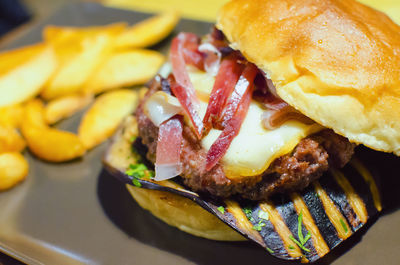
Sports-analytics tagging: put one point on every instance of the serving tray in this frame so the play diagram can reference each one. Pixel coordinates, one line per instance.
(76, 213)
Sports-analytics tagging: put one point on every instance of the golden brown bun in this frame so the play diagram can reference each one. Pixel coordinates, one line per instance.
(336, 61)
(184, 214)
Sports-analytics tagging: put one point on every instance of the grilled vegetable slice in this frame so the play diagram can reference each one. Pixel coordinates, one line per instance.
(302, 226)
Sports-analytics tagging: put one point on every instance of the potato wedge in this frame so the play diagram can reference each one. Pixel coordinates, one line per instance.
(11, 140)
(13, 169)
(47, 143)
(105, 115)
(34, 115)
(54, 145)
(24, 71)
(64, 107)
(142, 92)
(125, 68)
(80, 52)
(55, 33)
(148, 32)
(11, 116)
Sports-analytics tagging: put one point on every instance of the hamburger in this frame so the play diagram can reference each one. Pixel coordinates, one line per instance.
(277, 94)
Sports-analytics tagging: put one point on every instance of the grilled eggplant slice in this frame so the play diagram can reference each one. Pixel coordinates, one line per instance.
(302, 226)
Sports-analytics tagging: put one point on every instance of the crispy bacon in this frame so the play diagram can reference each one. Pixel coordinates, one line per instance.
(243, 92)
(183, 89)
(169, 143)
(227, 77)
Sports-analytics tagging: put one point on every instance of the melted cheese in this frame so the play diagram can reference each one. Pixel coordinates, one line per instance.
(254, 148)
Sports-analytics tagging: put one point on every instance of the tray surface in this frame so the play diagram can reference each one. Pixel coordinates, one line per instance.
(75, 212)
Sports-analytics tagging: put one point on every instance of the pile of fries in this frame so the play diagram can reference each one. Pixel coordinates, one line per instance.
(71, 69)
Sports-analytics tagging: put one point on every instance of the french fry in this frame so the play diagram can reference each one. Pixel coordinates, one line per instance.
(34, 115)
(54, 145)
(80, 52)
(64, 107)
(11, 116)
(11, 140)
(148, 32)
(125, 68)
(47, 143)
(24, 71)
(104, 116)
(13, 169)
(142, 92)
(63, 33)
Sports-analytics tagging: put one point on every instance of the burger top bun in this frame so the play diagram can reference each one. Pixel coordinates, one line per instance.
(336, 61)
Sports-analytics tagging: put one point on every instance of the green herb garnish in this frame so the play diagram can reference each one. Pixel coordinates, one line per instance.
(346, 229)
(270, 250)
(136, 182)
(221, 209)
(291, 247)
(302, 239)
(263, 215)
(249, 213)
(259, 226)
(132, 139)
(139, 171)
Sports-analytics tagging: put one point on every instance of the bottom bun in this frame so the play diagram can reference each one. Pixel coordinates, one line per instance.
(183, 214)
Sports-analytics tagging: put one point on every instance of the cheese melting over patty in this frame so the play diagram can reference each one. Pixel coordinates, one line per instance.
(254, 148)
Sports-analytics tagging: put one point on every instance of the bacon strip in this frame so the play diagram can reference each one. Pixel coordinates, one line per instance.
(232, 126)
(245, 81)
(227, 77)
(169, 143)
(184, 89)
(188, 105)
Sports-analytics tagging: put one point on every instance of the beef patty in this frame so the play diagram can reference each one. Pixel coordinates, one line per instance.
(295, 171)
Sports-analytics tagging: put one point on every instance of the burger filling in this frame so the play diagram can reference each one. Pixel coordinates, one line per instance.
(216, 120)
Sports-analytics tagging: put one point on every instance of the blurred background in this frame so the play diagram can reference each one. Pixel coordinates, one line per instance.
(14, 13)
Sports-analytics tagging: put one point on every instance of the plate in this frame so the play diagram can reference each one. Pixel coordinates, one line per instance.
(76, 213)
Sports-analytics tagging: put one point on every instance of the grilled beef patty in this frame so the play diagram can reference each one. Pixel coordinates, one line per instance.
(295, 171)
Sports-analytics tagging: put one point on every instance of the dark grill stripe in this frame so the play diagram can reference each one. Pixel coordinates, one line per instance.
(361, 187)
(322, 221)
(271, 238)
(286, 209)
(337, 195)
